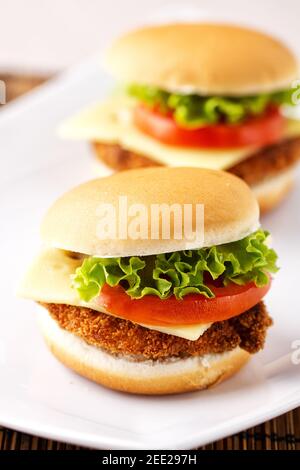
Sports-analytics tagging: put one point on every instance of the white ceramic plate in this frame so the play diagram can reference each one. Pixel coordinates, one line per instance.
(37, 394)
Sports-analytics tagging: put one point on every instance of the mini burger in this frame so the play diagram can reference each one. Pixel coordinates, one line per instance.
(200, 95)
(154, 315)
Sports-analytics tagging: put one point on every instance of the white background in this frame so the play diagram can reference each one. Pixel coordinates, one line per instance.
(49, 35)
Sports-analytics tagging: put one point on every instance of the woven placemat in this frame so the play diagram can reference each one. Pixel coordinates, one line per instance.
(282, 433)
(16, 85)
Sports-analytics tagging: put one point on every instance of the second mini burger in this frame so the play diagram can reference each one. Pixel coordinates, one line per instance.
(200, 95)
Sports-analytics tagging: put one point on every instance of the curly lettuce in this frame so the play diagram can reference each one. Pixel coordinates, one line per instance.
(195, 110)
(181, 272)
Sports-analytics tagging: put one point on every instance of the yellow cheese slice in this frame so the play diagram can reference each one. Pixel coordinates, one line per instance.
(49, 280)
(110, 122)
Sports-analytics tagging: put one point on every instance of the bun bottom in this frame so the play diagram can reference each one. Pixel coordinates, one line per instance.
(273, 190)
(140, 377)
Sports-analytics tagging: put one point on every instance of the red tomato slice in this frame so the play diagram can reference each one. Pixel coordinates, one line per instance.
(229, 302)
(257, 131)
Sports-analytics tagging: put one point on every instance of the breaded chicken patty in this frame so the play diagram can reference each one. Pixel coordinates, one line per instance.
(265, 163)
(119, 336)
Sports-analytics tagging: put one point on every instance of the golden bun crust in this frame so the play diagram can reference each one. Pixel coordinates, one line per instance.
(272, 191)
(204, 58)
(230, 210)
(184, 375)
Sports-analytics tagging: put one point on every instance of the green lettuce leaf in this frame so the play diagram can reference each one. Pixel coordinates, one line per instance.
(181, 272)
(195, 110)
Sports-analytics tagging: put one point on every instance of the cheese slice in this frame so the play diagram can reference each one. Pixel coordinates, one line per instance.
(49, 280)
(111, 122)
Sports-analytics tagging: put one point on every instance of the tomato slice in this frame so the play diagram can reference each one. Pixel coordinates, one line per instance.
(257, 131)
(230, 301)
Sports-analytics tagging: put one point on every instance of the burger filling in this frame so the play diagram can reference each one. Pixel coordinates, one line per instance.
(210, 121)
(251, 137)
(265, 163)
(206, 273)
(123, 337)
(131, 306)
(193, 111)
(164, 306)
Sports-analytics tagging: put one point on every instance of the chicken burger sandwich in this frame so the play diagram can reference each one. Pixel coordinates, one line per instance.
(200, 95)
(149, 309)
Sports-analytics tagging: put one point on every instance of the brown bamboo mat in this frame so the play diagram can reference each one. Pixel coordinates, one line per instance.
(17, 85)
(282, 433)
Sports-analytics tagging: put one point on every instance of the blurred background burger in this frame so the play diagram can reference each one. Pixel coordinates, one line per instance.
(203, 95)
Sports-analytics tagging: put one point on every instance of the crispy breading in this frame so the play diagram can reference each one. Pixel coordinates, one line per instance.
(118, 158)
(119, 336)
(265, 163)
(268, 162)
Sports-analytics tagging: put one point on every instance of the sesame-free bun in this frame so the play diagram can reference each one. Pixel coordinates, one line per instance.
(143, 377)
(230, 211)
(204, 58)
